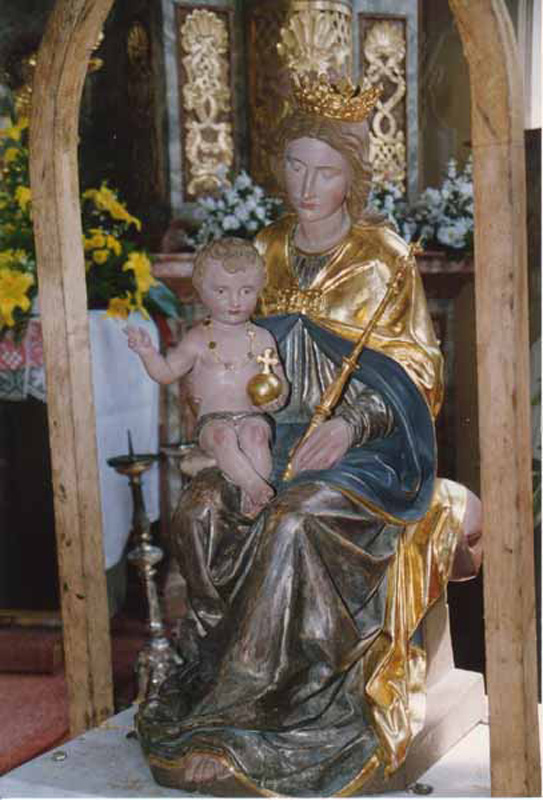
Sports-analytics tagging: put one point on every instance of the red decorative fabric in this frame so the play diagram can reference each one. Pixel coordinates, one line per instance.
(26, 353)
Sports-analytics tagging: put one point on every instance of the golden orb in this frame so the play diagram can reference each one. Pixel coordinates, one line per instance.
(264, 389)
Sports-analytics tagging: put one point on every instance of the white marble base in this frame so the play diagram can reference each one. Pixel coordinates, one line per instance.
(105, 763)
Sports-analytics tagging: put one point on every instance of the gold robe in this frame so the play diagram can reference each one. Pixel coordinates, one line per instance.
(345, 294)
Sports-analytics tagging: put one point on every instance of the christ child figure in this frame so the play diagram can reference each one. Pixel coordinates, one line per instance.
(220, 356)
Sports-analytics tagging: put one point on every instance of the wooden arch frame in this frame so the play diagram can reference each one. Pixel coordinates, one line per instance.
(502, 352)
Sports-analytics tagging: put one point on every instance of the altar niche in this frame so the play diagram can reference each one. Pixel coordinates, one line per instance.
(502, 363)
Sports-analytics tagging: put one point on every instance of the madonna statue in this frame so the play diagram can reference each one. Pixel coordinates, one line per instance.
(308, 674)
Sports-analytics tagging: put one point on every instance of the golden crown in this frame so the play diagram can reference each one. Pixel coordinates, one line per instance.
(341, 100)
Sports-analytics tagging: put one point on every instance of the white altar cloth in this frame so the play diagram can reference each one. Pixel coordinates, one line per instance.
(126, 399)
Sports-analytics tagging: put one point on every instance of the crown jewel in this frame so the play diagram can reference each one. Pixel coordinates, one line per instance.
(341, 100)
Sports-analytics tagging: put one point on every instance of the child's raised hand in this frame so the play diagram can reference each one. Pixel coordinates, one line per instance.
(138, 339)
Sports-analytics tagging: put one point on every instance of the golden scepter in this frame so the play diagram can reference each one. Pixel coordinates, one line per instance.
(332, 394)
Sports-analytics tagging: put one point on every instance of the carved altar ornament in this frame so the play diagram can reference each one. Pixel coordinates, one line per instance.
(384, 51)
(209, 145)
(317, 38)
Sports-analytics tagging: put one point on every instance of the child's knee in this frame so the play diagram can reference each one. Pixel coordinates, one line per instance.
(254, 431)
(217, 435)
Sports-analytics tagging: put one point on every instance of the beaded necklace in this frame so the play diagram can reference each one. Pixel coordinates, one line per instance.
(231, 366)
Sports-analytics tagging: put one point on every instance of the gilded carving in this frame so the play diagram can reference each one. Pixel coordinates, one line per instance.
(383, 50)
(206, 100)
(293, 301)
(317, 38)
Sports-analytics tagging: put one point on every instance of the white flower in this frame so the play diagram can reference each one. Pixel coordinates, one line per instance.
(243, 181)
(454, 233)
(427, 231)
(433, 196)
(231, 197)
(221, 172)
(241, 207)
(465, 187)
(251, 204)
(242, 213)
(408, 230)
(230, 222)
(208, 203)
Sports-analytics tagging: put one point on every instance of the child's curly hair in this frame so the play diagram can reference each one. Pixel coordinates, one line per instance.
(234, 255)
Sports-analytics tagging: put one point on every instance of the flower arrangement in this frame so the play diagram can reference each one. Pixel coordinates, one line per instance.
(441, 217)
(118, 273)
(238, 208)
(390, 201)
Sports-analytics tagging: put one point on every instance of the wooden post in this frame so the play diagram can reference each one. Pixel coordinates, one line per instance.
(72, 31)
(503, 377)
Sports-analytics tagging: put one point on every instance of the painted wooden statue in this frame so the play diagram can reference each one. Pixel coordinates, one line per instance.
(310, 668)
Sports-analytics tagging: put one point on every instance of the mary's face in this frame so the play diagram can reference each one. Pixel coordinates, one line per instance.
(317, 178)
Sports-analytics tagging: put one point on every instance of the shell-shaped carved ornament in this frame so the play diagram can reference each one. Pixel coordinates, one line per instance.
(200, 27)
(385, 41)
(310, 43)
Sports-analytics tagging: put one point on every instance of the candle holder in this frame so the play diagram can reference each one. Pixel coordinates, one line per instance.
(157, 657)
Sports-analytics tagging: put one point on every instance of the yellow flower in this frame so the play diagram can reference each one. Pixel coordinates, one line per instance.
(119, 307)
(10, 155)
(106, 200)
(141, 267)
(138, 305)
(114, 245)
(13, 288)
(23, 196)
(14, 131)
(11, 258)
(100, 256)
(97, 240)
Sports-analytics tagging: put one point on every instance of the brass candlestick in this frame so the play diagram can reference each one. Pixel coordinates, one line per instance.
(157, 657)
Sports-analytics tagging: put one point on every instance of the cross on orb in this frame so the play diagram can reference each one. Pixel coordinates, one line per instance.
(268, 359)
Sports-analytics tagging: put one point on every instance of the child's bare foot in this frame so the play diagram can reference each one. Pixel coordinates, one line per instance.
(255, 499)
(202, 769)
